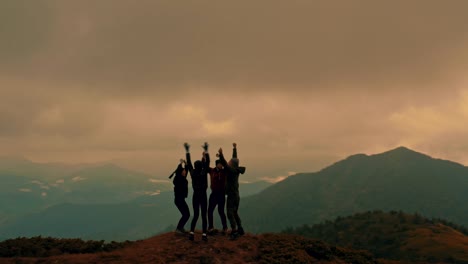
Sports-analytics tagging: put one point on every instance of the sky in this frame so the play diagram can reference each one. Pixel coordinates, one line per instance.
(296, 84)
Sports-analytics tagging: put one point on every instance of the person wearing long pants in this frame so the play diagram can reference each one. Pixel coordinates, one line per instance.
(199, 174)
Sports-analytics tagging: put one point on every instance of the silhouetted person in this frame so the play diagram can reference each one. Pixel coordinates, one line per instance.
(180, 192)
(199, 175)
(217, 196)
(232, 191)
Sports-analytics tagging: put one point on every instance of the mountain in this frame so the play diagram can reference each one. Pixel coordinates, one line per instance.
(400, 179)
(251, 188)
(28, 187)
(394, 235)
(109, 183)
(171, 248)
(24, 184)
(136, 219)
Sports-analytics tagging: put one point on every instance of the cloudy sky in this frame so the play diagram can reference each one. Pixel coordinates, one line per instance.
(297, 84)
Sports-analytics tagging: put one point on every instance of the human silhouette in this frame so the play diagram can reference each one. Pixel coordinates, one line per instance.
(217, 196)
(232, 191)
(180, 193)
(199, 174)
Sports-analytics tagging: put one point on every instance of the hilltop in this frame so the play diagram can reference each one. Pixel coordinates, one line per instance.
(365, 238)
(171, 248)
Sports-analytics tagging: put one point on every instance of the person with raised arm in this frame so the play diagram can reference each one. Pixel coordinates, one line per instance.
(232, 190)
(181, 192)
(199, 174)
(217, 196)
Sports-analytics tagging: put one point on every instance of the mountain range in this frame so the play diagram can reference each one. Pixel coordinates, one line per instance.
(92, 201)
(400, 179)
(31, 187)
(107, 202)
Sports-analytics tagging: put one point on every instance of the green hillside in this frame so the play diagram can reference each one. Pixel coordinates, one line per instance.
(28, 187)
(136, 219)
(400, 179)
(394, 235)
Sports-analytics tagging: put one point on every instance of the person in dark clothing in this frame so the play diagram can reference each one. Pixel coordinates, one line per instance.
(181, 192)
(217, 196)
(232, 191)
(199, 175)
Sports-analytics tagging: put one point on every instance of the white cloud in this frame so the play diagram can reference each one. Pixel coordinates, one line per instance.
(37, 182)
(45, 187)
(274, 179)
(157, 192)
(278, 178)
(78, 178)
(60, 181)
(25, 190)
(158, 181)
(44, 194)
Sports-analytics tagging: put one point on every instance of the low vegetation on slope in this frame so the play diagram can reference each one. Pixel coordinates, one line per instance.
(47, 246)
(394, 235)
(171, 248)
(278, 249)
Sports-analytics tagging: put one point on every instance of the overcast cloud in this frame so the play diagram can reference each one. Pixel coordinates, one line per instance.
(297, 84)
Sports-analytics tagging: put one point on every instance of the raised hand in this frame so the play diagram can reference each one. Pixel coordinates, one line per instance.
(220, 151)
(205, 146)
(186, 146)
(234, 145)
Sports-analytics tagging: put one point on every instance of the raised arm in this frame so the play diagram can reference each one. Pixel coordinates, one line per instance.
(206, 157)
(222, 159)
(234, 150)
(189, 160)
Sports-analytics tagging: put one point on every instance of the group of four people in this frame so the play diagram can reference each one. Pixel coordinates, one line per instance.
(224, 181)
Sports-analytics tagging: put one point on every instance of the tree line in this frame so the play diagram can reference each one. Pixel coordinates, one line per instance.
(383, 234)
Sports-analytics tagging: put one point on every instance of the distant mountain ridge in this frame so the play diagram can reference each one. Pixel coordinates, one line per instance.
(136, 219)
(29, 188)
(91, 201)
(400, 179)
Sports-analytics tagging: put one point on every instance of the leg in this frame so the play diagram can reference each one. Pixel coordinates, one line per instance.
(211, 207)
(196, 210)
(203, 205)
(230, 204)
(221, 199)
(236, 216)
(184, 210)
